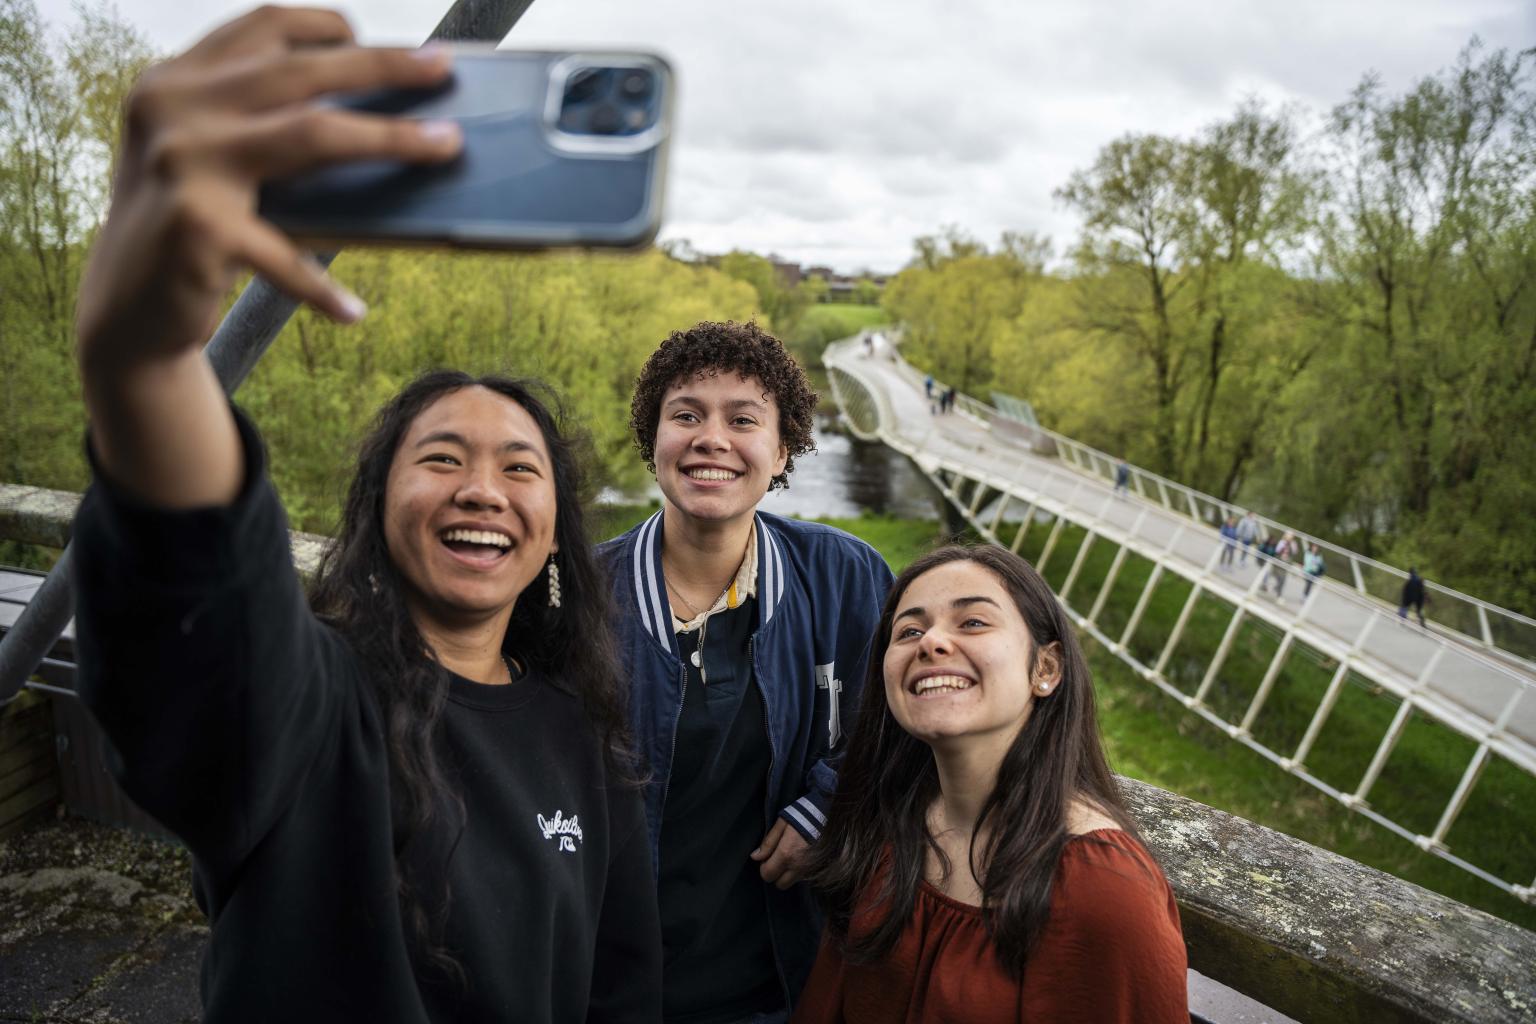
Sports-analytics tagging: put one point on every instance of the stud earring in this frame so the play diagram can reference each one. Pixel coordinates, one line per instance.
(554, 582)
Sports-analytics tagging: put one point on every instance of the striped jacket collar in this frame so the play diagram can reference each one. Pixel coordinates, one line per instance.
(651, 588)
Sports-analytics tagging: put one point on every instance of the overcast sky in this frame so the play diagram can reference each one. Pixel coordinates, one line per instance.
(836, 132)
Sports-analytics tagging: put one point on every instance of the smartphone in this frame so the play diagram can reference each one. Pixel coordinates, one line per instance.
(560, 150)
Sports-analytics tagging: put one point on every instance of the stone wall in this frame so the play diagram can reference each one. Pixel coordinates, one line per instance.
(1323, 938)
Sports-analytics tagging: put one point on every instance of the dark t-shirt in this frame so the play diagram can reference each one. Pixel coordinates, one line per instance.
(249, 729)
(719, 962)
(530, 875)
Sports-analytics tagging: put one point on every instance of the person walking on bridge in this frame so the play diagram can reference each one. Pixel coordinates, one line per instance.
(1413, 596)
(1247, 533)
(1284, 554)
(1228, 543)
(1313, 566)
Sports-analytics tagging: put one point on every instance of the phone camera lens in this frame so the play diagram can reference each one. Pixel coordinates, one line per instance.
(636, 84)
(582, 86)
(606, 119)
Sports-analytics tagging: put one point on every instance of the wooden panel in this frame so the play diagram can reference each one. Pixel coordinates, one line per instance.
(17, 777)
(29, 771)
(19, 809)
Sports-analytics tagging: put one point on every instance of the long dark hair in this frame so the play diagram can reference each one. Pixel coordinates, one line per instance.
(878, 824)
(360, 593)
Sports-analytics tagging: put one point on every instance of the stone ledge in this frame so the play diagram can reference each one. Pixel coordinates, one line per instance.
(1323, 938)
(36, 515)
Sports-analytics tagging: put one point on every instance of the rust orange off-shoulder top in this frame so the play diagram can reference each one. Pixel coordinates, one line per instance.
(1111, 952)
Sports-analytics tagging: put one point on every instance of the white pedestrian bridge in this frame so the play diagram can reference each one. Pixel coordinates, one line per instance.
(1471, 669)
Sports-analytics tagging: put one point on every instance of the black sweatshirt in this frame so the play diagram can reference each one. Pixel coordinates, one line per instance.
(247, 727)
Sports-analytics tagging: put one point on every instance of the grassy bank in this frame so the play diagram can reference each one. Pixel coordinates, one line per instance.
(1155, 739)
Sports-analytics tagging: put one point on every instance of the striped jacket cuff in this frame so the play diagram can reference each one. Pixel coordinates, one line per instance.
(805, 817)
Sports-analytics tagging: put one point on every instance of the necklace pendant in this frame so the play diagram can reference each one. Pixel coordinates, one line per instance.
(697, 661)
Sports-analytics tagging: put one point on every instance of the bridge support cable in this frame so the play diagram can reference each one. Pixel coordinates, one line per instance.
(243, 336)
(972, 460)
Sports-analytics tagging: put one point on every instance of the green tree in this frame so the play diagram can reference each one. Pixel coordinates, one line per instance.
(781, 305)
(59, 108)
(956, 299)
(866, 292)
(1431, 250)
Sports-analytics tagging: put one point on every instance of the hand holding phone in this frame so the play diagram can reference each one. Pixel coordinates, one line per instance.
(203, 130)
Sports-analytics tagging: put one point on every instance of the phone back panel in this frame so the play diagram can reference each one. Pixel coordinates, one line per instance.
(518, 183)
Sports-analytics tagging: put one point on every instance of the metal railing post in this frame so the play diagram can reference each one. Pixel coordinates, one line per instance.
(1178, 629)
(1077, 564)
(1271, 674)
(1050, 544)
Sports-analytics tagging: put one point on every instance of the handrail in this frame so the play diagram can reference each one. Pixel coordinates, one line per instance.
(1492, 627)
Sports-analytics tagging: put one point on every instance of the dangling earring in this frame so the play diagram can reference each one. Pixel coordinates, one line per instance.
(554, 582)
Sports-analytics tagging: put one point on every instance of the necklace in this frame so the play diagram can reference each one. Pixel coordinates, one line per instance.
(697, 657)
(693, 610)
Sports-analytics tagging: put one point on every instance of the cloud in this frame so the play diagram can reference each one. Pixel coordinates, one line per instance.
(838, 132)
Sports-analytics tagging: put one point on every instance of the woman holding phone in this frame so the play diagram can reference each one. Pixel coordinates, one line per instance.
(978, 863)
(745, 635)
(409, 797)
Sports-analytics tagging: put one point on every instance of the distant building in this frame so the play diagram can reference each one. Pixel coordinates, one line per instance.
(840, 287)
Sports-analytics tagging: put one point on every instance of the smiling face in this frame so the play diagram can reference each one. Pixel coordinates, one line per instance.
(957, 669)
(717, 446)
(469, 508)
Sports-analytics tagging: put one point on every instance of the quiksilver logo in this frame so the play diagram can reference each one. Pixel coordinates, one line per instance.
(567, 830)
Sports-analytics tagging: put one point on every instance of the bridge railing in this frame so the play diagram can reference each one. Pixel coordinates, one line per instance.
(1056, 488)
(1500, 631)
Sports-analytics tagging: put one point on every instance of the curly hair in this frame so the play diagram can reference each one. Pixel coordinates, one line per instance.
(710, 348)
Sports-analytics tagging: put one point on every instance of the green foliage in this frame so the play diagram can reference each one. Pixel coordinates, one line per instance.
(957, 300)
(779, 303)
(866, 292)
(901, 541)
(822, 324)
(583, 324)
(58, 111)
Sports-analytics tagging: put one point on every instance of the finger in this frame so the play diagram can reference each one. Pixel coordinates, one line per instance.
(770, 841)
(305, 74)
(273, 25)
(776, 865)
(269, 252)
(787, 879)
(282, 144)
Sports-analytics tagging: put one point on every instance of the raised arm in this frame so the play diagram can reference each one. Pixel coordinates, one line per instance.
(202, 131)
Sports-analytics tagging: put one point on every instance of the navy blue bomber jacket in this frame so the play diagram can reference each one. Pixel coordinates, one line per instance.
(819, 592)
